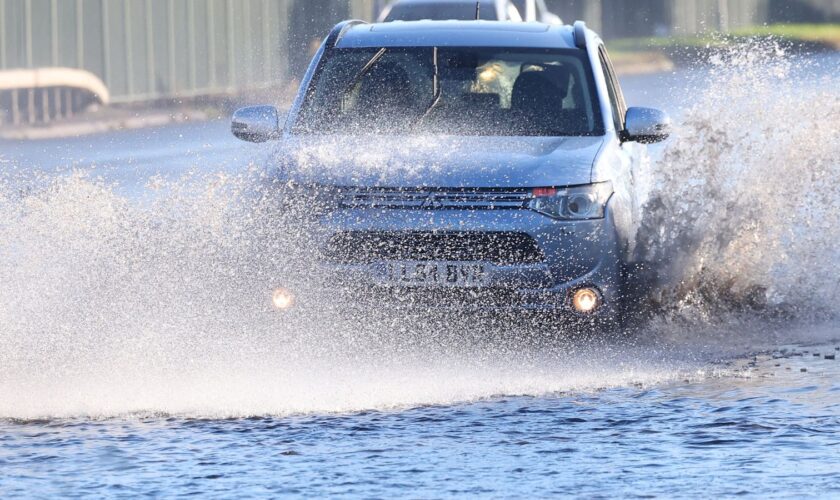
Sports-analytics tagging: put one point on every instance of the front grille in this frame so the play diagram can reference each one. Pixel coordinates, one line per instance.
(435, 199)
(503, 248)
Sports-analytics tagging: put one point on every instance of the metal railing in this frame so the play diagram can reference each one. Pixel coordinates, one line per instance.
(45, 94)
(151, 49)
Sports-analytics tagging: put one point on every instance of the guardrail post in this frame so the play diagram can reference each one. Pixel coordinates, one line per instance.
(30, 105)
(56, 100)
(45, 105)
(77, 100)
(15, 107)
(68, 102)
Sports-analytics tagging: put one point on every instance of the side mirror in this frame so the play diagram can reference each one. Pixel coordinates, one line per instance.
(646, 125)
(256, 123)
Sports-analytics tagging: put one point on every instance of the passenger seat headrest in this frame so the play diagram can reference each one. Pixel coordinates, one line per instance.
(537, 89)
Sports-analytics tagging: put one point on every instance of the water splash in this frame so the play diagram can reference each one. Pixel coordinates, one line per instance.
(742, 212)
(111, 306)
(114, 307)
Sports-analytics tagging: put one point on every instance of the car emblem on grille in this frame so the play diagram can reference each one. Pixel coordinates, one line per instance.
(431, 202)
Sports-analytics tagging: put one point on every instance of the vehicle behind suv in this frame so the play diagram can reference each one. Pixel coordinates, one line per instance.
(465, 165)
(536, 10)
(416, 10)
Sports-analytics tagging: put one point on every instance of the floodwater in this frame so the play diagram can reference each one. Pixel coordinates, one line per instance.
(768, 431)
(138, 356)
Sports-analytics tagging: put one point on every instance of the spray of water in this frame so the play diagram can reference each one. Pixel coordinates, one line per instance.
(742, 208)
(110, 306)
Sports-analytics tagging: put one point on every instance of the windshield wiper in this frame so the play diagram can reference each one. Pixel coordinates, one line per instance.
(365, 69)
(436, 92)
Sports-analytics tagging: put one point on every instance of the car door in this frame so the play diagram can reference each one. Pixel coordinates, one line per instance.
(629, 174)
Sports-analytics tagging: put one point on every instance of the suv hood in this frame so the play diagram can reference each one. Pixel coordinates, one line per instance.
(444, 161)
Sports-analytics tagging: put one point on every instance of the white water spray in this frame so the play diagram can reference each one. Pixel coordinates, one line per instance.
(744, 205)
(110, 307)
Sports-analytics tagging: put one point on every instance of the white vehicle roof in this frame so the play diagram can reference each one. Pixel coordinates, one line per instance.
(415, 10)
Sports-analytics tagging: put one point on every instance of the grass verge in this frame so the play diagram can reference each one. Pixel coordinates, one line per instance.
(809, 37)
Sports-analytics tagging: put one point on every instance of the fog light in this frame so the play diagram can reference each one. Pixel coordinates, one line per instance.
(586, 300)
(282, 299)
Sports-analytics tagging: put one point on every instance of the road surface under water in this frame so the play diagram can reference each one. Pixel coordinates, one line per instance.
(127, 368)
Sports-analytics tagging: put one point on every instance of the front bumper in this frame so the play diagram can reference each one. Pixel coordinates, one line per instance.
(574, 254)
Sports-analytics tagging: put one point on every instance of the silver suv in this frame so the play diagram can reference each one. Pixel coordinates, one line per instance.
(466, 164)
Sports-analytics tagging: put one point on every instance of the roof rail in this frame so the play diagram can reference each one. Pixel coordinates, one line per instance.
(339, 30)
(580, 34)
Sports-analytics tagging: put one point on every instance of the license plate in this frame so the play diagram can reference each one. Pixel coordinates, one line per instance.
(452, 274)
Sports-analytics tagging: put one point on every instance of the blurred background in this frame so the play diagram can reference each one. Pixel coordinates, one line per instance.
(60, 59)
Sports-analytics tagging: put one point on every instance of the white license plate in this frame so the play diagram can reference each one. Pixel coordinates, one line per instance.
(453, 274)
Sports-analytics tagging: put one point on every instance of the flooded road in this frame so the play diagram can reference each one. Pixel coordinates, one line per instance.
(139, 357)
(759, 429)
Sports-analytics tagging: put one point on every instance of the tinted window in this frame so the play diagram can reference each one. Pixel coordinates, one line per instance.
(492, 91)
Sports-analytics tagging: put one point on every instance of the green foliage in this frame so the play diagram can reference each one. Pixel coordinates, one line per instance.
(821, 35)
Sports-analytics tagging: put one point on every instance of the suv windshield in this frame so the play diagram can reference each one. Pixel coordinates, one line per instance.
(452, 91)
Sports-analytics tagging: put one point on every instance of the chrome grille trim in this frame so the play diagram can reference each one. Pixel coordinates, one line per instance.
(435, 199)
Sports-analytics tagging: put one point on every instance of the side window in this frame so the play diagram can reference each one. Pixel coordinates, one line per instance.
(619, 108)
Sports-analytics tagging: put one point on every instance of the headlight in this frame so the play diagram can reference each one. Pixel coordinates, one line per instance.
(573, 203)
